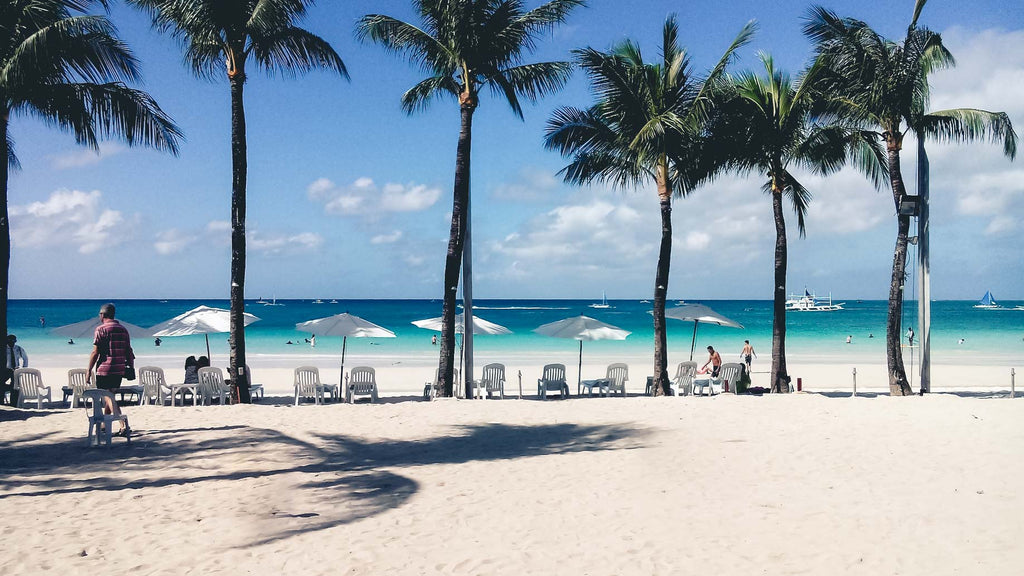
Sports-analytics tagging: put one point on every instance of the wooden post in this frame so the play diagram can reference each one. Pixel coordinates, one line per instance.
(854, 382)
(1013, 388)
(520, 385)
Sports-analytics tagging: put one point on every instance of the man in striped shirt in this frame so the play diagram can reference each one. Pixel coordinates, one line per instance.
(111, 353)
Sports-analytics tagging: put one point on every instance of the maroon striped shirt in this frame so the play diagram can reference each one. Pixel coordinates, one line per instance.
(115, 348)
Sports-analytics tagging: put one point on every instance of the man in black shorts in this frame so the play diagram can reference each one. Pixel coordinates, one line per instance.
(715, 359)
(111, 354)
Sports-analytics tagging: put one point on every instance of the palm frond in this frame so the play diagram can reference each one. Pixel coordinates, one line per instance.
(537, 80)
(403, 38)
(800, 198)
(968, 125)
(422, 94)
(292, 49)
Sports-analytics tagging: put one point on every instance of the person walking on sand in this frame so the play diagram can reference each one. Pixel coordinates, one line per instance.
(748, 354)
(111, 354)
(715, 359)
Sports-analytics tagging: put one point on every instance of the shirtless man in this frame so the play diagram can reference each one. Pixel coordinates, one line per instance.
(748, 354)
(715, 359)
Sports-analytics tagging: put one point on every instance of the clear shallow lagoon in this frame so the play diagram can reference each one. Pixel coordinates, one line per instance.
(990, 336)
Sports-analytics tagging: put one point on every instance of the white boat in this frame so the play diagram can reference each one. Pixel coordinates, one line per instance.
(334, 302)
(808, 302)
(318, 301)
(604, 302)
(987, 302)
(272, 302)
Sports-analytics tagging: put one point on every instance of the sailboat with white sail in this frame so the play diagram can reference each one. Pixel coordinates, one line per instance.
(604, 302)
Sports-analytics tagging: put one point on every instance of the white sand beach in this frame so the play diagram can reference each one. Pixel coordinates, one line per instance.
(811, 483)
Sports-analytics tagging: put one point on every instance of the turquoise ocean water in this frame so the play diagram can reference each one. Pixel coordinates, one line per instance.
(990, 336)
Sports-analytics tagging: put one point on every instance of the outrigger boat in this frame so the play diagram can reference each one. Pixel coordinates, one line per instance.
(808, 302)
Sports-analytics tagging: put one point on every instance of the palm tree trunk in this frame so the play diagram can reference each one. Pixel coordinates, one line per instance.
(236, 340)
(780, 374)
(5, 228)
(898, 385)
(661, 381)
(456, 240)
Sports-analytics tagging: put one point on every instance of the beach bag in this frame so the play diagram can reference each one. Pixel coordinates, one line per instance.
(129, 372)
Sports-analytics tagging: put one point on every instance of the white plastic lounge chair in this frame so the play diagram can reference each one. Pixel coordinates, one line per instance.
(682, 384)
(255, 390)
(29, 384)
(307, 384)
(729, 373)
(432, 390)
(100, 423)
(553, 381)
(614, 381)
(154, 386)
(362, 381)
(212, 386)
(492, 382)
(77, 385)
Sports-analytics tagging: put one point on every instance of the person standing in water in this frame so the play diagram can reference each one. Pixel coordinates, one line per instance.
(748, 354)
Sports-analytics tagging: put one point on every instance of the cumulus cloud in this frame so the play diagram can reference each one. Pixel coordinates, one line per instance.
(85, 156)
(276, 244)
(363, 196)
(172, 241)
(531, 184)
(387, 238)
(68, 217)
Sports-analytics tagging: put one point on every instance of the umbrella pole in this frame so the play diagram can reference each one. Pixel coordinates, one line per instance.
(208, 348)
(693, 341)
(579, 372)
(341, 380)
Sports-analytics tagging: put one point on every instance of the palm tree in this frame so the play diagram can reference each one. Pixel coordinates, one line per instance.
(885, 84)
(466, 45)
(768, 126)
(69, 69)
(644, 127)
(222, 36)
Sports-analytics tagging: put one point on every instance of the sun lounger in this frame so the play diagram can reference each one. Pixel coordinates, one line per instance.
(492, 382)
(29, 384)
(362, 381)
(154, 386)
(212, 387)
(432, 390)
(682, 384)
(77, 386)
(308, 385)
(553, 380)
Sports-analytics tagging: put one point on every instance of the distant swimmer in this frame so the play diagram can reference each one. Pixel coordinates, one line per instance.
(289, 342)
(71, 340)
(961, 341)
(910, 336)
(871, 335)
(157, 341)
(433, 339)
(42, 322)
(849, 339)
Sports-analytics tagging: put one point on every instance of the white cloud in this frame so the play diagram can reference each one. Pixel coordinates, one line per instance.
(387, 238)
(172, 241)
(85, 156)
(218, 226)
(697, 241)
(277, 244)
(531, 184)
(68, 217)
(363, 196)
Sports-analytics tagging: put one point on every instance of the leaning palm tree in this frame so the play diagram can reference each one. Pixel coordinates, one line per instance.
(885, 84)
(770, 125)
(68, 68)
(464, 46)
(222, 36)
(646, 126)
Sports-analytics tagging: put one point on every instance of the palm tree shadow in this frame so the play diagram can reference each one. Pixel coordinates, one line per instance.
(340, 478)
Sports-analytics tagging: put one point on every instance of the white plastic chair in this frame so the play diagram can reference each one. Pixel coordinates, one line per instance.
(553, 380)
(212, 386)
(492, 381)
(78, 385)
(617, 376)
(29, 384)
(432, 390)
(154, 385)
(307, 384)
(255, 390)
(100, 423)
(363, 382)
(682, 384)
(729, 373)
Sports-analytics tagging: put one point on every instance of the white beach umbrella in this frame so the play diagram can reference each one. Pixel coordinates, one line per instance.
(200, 320)
(699, 314)
(87, 328)
(582, 328)
(344, 325)
(480, 326)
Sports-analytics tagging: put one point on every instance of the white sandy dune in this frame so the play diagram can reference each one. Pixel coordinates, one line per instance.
(788, 484)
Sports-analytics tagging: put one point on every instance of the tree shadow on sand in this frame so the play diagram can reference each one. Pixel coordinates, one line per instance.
(339, 478)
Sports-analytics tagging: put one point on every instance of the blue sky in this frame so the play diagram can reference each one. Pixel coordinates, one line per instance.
(348, 197)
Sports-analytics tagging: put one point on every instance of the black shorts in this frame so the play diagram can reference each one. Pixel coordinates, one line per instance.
(715, 370)
(748, 358)
(108, 381)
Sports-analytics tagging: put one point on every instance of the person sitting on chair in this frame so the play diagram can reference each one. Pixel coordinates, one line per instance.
(191, 370)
